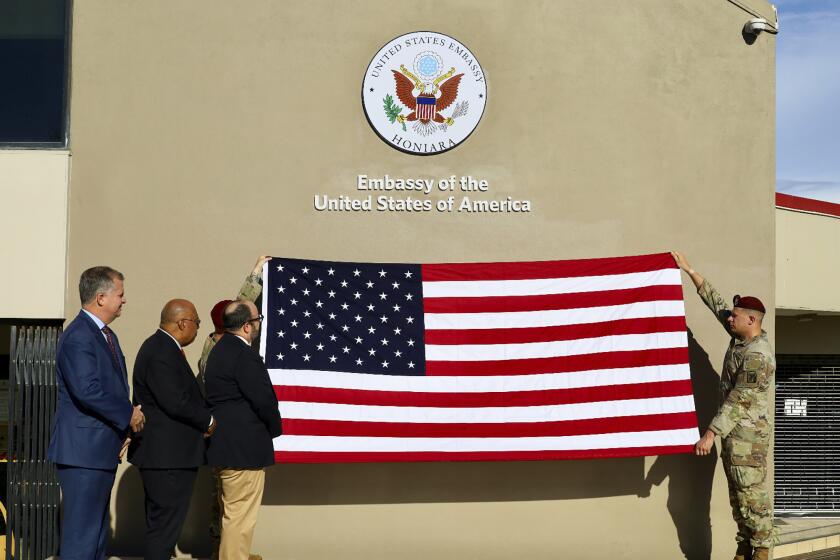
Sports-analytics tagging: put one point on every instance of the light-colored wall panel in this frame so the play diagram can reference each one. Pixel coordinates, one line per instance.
(807, 262)
(808, 335)
(33, 226)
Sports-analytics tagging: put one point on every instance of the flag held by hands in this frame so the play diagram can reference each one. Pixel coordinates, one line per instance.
(478, 361)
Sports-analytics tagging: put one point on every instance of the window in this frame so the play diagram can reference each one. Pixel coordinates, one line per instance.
(33, 72)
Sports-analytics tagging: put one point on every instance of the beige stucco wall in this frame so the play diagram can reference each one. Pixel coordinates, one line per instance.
(808, 334)
(807, 264)
(201, 133)
(806, 283)
(33, 226)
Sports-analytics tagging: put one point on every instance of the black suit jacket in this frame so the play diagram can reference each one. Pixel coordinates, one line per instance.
(176, 414)
(244, 404)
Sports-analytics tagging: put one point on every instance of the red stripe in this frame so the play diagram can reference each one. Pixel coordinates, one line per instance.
(673, 421)
(546, 269)
(501, 304)
(354, 457)
(807, 205)
(647, 325)
(583, 362)
(425, 111)
(475, 400)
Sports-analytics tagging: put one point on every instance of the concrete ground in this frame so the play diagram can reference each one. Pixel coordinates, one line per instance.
(802, 538)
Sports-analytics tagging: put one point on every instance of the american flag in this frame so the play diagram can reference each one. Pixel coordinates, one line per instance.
(426, 108)
(478, 361)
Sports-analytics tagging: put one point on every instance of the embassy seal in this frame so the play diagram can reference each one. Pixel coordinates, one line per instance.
(424, 93)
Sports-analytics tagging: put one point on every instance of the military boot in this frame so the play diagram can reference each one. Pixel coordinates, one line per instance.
(744, 551)
(761, 553)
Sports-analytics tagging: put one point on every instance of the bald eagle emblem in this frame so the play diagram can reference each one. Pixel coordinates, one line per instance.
(425, 94)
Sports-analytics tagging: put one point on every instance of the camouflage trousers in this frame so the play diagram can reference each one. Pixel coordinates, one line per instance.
(752, 508)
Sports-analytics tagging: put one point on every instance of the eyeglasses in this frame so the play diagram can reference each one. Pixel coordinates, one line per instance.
(260, 319)
(196, 321)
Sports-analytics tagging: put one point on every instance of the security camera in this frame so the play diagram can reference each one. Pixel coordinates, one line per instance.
(757, 25)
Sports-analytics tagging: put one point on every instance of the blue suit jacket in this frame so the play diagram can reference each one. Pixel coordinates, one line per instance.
(94, 409)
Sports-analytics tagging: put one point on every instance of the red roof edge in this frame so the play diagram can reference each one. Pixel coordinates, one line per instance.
(791, 202)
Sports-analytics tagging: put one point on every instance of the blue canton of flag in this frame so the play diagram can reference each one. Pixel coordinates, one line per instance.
(350, 317)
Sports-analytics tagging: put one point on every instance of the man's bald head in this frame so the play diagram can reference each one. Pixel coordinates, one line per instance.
(242, 318)
(175, 310)
(180, 319)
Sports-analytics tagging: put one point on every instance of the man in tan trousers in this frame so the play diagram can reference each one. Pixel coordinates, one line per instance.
(244, 404)
(250, 290)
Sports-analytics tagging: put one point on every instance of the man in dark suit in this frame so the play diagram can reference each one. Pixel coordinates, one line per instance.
(93, 416)
(240, 393)
(171, 448)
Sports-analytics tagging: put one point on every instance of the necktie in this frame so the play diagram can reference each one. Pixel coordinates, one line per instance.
(109, 336)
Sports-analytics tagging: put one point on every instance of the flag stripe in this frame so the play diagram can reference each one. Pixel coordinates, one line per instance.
(546, 269)
(554, 317)
(644, 325)
(559, 443)
(495, 383)
(554, 349)
(488, 415)
(545, 286)
(473, 400)
(298, 427)
(400, 457)
(583, 362)
(498, 304)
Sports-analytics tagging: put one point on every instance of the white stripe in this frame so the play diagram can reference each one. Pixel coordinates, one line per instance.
(616, 343)
(264, 309)
(555, 317)
(686, 436)
(475, 383)
(485, 415)
(543, 286)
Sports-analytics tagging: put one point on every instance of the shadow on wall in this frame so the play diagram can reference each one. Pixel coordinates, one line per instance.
(689, 477)
(130, 523)
(383, 483)
(401, 483)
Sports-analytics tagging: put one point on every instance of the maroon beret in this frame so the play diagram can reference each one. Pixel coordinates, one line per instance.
(216, 314)
(748, 302)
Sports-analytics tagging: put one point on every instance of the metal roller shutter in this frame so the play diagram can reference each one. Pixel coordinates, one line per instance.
(807, 437)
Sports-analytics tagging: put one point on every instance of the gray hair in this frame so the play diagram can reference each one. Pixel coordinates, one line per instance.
(97, 280)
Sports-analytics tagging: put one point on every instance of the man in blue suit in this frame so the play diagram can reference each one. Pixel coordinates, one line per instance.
(94, 415)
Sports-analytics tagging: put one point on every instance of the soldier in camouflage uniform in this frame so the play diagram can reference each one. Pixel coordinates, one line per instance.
(250, 290)
(743, 420)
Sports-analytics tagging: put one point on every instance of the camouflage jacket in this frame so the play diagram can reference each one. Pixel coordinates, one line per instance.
(250, 290)
(743, 420)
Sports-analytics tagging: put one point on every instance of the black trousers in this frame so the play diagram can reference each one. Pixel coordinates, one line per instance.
(168, 493)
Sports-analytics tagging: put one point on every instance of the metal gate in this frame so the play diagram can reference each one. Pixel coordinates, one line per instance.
(807, 440)
(33, 494)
